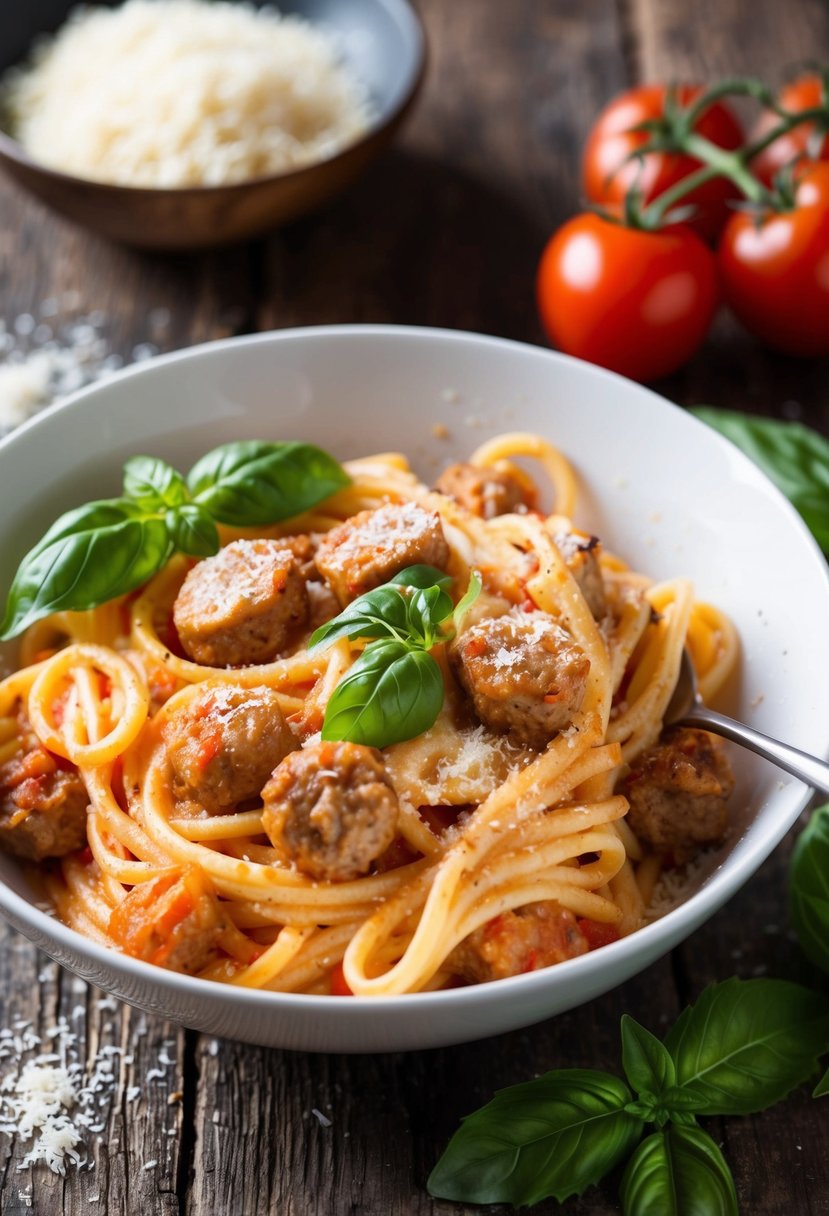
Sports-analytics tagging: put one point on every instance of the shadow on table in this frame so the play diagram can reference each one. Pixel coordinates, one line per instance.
(417, 242)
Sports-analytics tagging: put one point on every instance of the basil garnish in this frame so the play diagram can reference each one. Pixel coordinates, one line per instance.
(394, 691)
(554, 1136)
(793, 456)
(809, 888)
(678, 1172)
(649, 1068)
(154, 484)
(251, 483)
(391, 693)
(744, 1045)
(88, 556)
(747, 1043)
(105, 549)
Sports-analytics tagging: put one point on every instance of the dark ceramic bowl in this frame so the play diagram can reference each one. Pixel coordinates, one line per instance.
(383, 42)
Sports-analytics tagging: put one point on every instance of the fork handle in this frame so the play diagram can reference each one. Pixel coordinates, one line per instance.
(810, 769)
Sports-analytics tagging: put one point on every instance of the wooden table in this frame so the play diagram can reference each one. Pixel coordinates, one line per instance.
(445, 231)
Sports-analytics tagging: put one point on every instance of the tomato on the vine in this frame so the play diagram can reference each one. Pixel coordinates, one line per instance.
(635, 301)
(774, 268)
(607, 175)
(805, 93)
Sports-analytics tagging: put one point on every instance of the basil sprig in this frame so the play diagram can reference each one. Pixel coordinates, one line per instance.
(742, 1047)
(793, 456)
(394, 690)
(105, 549)
(809, 888)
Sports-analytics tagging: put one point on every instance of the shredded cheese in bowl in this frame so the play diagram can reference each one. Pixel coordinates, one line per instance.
(175, 93)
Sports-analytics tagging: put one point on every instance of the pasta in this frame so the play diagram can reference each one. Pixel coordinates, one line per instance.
(519, 830)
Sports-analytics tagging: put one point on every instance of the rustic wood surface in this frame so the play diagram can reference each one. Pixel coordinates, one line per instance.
(445, 230)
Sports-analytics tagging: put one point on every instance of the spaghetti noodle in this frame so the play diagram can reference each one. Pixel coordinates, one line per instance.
(518, 827)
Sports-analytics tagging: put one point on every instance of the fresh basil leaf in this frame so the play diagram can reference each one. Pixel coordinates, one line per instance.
(391, 693)
(192, 530)
(822, 1087)
(678, 1172)
(793, 456)
(554, 1136)
(380, 613)
(809, 888)
(90, 555)
(422, 576)
(746, 1043)
(426, 608)
(470, 595)
(252, 482)
(647, 1062)
(154, 484)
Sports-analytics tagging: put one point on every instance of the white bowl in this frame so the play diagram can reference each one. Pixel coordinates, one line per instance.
(660, 488)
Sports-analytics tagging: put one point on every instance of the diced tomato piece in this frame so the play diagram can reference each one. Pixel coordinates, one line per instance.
(46, 653)
(475, 647)
(162, 684)
(209, 749)
(30, 766)
(597, 934)
(532, 960)
(338, 985)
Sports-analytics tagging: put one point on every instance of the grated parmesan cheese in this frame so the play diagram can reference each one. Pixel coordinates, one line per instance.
(172, 93)
(40, 364)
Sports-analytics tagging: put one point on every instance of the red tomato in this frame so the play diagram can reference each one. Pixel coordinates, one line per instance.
(774, 269)
(606, 179)
(637, 302)
(802, 94)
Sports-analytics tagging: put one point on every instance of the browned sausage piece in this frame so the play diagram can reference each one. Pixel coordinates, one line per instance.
(225, 743)
(527, 939)
(581, 553)
(678, 792)
(525, 675)
(243, 606)
(331, 810)
(42, 807)
(172, 921)
(373, 546)
(484, 492)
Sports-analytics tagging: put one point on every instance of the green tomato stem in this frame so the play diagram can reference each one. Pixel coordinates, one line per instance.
(719, 162)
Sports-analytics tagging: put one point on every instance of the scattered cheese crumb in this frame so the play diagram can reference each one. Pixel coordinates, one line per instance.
(322, 1119)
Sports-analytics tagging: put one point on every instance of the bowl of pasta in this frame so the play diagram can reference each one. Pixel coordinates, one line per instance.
(335, 667)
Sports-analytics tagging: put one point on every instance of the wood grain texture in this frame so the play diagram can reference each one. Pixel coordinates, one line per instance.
(444, 230)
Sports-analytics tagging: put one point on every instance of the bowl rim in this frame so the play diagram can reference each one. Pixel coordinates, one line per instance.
(405, 15)
(652, 940)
